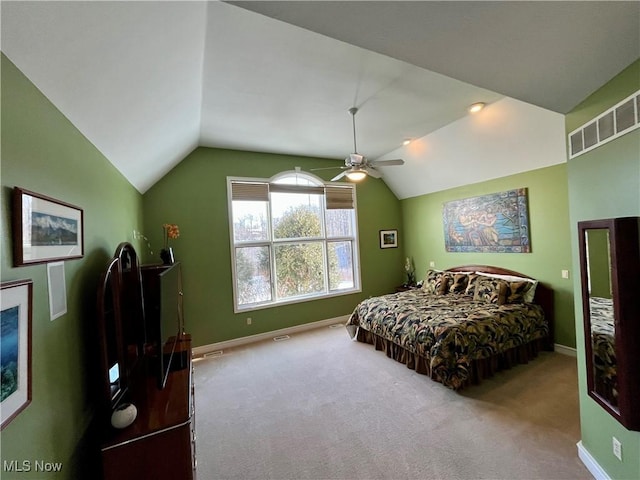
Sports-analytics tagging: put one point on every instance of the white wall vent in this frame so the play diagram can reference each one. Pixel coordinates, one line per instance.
(620, 119)
(217, 353)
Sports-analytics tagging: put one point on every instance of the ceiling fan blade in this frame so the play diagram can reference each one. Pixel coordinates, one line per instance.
(387, 163)
(325, 168)
(372, 172)
(339, 176)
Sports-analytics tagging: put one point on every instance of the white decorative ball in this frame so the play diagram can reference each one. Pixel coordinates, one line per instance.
(124, 415)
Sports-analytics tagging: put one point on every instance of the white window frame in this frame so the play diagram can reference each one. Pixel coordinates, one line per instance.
(272, 243)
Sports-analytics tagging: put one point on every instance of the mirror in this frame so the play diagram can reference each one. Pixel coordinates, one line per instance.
(131, 306)
(602, 327)
(112, 357)
(610, 269)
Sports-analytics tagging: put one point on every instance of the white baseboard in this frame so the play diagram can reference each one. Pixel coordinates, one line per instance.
(236, 342)
(564, 350)
(594, 468)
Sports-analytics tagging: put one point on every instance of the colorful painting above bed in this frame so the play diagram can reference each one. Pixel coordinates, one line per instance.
(497, 223)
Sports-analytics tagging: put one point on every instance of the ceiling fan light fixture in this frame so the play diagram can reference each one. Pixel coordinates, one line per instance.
(476, 107)
(356, 175)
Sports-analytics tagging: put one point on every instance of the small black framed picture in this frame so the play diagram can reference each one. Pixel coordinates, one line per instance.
(388, 238)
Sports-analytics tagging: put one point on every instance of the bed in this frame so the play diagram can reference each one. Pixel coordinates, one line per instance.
(463, 325)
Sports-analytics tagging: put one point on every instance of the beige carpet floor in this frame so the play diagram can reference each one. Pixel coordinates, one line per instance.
(321, 406)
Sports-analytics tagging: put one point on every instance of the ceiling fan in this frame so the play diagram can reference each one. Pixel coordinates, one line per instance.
(356, 166)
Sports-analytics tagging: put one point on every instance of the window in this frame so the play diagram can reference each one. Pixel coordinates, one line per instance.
(293, 238)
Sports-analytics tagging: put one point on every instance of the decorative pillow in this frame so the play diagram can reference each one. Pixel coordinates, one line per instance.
(517, 291)
(471, 284)
(436, 282)
(491, 290)
(529, 295)
(456, 282)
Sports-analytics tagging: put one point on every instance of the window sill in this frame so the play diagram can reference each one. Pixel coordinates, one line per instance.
(291, 301)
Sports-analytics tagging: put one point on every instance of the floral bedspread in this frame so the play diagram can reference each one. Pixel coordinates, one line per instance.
(451, 330)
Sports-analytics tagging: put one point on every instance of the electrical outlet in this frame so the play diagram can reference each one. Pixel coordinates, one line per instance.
(617, 448)
(432, 263)
(248, 320)
(565, 273)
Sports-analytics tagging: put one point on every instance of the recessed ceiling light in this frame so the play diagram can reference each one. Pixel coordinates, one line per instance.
(476, 107)
(406, 141)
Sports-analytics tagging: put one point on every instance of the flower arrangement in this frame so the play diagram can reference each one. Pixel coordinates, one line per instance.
(410, 268)
(170, 231)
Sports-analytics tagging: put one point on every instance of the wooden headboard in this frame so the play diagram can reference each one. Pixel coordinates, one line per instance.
(543, 296)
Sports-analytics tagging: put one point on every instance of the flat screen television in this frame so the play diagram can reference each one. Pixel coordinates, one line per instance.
(169, 302)
(161, 286)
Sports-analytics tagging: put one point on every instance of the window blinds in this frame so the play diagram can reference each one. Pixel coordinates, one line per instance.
(257, 192)
(336, 197)
(339, 197)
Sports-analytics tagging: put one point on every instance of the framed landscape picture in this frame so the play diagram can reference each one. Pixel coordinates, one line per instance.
(45, 229)
(15, 348)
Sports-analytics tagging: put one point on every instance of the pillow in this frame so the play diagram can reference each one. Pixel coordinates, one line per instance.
(471, 284)
(517, 291)
(528, 297)
(491, 290)
(456, 282)
(436, 282)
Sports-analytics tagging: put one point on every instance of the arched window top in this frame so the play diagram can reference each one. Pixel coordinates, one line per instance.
(297, 177)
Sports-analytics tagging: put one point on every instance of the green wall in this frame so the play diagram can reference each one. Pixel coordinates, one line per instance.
(43, 152)
(194, 196)
(550, 237)
(604, 183)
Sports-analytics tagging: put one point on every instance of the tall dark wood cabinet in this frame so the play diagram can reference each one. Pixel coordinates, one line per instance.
(139, 315)
(160, 444)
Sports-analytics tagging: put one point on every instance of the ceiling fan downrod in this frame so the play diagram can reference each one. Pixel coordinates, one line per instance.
(353, 111)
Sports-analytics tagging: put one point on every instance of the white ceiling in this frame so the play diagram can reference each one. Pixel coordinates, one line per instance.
(147, 82)
(548, 53)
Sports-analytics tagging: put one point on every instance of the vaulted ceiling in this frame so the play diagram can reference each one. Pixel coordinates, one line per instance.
(147, 82)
